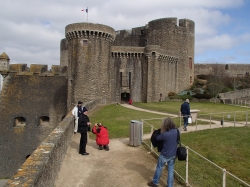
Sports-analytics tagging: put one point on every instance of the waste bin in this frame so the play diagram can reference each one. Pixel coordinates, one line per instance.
(135, 138)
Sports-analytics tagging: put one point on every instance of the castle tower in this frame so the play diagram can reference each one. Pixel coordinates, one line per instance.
(4, 62)
(89, 68)
(178, 41)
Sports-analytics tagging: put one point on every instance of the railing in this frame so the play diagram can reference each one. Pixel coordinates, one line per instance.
(197, 168)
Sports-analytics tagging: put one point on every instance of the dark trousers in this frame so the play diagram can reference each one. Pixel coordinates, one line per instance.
(83, 142)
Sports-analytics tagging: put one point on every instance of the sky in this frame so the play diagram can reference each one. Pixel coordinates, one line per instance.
(31, 30)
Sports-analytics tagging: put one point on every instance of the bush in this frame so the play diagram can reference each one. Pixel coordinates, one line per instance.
(202, 96)
(171, 94)
(184, 97)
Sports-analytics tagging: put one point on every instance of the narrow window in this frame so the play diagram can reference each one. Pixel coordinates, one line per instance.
(44, 121)
(190, 62)
(142, 32)
(226, 67)
(19, 122)
(85, 42)
(120, 78)
(129, 83)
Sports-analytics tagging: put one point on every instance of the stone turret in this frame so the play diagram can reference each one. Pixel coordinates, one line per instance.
(89, 48)
(4, 64)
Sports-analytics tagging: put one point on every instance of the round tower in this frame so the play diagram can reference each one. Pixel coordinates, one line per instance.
(89, 71)
(4, 62)
(178, 41)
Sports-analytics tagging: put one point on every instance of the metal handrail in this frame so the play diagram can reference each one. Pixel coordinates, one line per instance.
(224, 171)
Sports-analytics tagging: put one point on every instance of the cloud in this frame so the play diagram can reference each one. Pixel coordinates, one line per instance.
(31, 31)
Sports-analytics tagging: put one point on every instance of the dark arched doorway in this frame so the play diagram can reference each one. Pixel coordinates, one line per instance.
(125, 97)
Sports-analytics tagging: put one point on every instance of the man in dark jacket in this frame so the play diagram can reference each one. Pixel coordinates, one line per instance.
(185, 112)
(168, 153)
(83, 126)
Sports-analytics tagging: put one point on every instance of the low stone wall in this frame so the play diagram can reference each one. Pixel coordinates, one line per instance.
(42, 167)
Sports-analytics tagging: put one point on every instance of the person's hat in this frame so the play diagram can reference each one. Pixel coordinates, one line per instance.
(84, 109)
(79, 102)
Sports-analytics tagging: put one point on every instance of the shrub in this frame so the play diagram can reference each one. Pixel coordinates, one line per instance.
(202, 96)
(171, 94)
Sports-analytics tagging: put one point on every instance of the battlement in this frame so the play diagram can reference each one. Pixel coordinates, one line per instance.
(127, 52)
(87, 30)
(36, 69)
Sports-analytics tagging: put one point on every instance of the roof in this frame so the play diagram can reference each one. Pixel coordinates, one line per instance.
(4, 56)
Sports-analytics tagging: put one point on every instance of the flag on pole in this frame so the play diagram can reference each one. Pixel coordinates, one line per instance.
(85, 10)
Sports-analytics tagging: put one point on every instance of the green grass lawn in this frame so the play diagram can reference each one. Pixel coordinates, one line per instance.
(218, 111)
(226, 147)
(117, 119)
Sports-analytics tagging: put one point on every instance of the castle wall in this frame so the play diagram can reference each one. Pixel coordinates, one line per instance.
(89, 47)
(30, 96)
(127, 63)
(161, 73)
(41, 168)
(174, 39)
(64, 52)
(135, 37)
(232, 70)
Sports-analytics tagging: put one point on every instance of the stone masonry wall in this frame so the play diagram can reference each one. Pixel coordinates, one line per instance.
(89, 47)
(233, 70)
(64, 52)
(32, 102)
(41, 168)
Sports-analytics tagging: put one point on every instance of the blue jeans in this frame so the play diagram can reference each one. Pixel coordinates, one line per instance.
(162, 160)
(185, 121)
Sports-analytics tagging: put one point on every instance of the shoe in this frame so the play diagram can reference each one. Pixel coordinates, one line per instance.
(100, 148)
(106, 148)
(152, 184)
(185, 129)
(85, 153)
(74, 132)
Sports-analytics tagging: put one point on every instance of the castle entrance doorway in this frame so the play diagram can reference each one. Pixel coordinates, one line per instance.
(125, 97)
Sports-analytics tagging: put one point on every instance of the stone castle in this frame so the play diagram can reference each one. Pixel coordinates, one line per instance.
(98, 65)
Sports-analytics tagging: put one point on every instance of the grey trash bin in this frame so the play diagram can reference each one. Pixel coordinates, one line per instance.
(135, 138)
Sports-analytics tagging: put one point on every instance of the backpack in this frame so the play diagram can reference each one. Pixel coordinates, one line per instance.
(155, 143)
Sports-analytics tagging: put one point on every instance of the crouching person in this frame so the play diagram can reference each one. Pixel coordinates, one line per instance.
(102, 136)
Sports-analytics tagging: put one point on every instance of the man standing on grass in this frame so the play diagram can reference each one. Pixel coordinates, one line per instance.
(185, 112)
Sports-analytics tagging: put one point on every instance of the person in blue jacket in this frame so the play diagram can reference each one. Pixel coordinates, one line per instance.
(168, 153)
(185, 112)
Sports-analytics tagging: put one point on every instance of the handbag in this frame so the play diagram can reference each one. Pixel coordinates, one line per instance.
(189, 120)
(181, 152)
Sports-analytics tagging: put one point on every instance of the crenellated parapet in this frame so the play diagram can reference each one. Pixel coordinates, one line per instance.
(89, 30)
(127, 52)
(36, 69)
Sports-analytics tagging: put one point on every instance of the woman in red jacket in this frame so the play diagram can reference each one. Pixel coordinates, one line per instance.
(102, 136)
